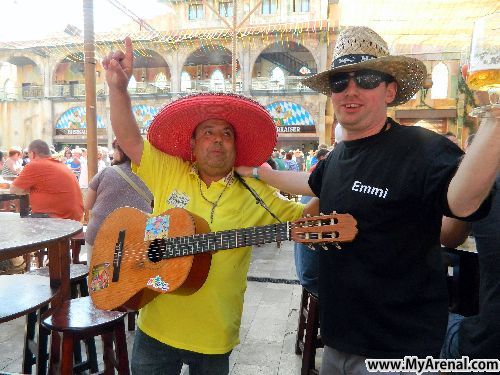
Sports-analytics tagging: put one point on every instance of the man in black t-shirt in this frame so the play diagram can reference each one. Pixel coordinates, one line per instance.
(478, 336)
(384, 295)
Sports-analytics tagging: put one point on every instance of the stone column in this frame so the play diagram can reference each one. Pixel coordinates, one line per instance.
(175, 72)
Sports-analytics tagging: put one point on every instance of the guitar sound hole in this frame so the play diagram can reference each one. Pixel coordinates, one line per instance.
(156, 249)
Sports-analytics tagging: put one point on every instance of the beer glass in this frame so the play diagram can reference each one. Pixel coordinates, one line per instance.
(484, 63)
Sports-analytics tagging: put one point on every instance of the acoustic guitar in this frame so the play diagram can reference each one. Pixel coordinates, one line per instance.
(137, 256)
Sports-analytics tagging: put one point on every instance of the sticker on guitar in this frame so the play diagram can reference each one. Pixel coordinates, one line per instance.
(99, 278)
(157, 283)
(157, 227)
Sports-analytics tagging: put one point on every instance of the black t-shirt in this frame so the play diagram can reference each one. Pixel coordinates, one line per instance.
(480, 334)
(384, 295)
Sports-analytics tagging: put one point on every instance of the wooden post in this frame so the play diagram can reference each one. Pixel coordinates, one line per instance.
(90, 90)
(233, 49)
(234, 32)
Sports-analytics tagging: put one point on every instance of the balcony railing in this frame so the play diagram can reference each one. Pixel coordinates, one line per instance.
(204, 85)
(32, 91)
(74, 90)
(291, 84)
(148, 88)
(20, 93)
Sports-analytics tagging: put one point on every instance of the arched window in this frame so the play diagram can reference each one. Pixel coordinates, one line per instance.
(439, 82)
(217, 81)
(161, 81)
(132, 84)
(9, 90)
(185, 81)
(278, 76)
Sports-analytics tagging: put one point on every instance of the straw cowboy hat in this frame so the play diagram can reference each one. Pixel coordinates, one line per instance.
(359, 48)
(254, 129)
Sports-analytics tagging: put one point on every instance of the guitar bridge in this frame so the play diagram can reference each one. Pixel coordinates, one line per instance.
(118, 255)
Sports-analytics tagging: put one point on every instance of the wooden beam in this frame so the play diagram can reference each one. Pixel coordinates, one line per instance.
(249, 14)
(425, 113)
(217, 13)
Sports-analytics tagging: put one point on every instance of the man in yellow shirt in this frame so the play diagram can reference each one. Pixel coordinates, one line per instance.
(193, 145)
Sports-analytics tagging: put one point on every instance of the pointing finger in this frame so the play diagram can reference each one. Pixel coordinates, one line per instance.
(128, 62)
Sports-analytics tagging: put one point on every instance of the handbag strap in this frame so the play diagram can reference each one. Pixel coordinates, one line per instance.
(131, 183)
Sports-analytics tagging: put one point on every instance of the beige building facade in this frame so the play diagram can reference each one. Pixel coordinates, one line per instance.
(42, 91)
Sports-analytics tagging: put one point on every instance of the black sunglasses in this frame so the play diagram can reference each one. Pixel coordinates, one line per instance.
(365, 79)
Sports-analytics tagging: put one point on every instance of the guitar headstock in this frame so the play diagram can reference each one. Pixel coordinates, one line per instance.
(323, 229)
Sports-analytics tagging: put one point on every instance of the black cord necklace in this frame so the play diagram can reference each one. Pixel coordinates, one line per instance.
(214, 204)
(385, 127)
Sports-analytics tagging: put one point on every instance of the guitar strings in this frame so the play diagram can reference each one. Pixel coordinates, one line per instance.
(136, 251)
(141, 254)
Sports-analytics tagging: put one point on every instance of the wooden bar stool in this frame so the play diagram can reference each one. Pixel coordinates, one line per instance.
(77, 277)
(79, 319)
(28, 295)
(76, 246)
(78, 283)
(308, 336)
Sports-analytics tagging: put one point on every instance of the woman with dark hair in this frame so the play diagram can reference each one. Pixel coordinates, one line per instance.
(290, 164)
(111, 188)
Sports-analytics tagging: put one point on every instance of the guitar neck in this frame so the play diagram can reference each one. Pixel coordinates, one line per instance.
(223, 240)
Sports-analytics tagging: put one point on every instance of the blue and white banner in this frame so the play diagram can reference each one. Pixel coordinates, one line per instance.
(144, 114)
(73, 122)
(291, 117)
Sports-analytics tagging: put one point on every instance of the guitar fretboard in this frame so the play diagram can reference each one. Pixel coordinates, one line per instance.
(230, 239)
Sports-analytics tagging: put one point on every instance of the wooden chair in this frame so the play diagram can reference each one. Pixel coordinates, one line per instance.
(28, 295)
(308, 337)
(78, 319)
(76, 246)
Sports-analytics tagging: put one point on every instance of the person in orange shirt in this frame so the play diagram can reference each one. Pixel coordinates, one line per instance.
(53, 188)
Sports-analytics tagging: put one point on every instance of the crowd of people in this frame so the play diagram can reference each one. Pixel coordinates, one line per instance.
(13, 160)
(382, 296)
(296, 160)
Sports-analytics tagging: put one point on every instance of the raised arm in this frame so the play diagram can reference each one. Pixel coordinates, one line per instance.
(118, 66)
(476, 174)
(290, 182)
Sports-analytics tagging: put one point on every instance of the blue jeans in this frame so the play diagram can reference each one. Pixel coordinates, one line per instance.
(450, 347)
(335, 362)
(152, 357)
(306, 263)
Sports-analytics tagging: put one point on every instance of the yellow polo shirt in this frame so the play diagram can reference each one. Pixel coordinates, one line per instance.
(208, 320)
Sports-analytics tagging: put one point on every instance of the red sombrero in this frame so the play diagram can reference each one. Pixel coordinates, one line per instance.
(254, 128)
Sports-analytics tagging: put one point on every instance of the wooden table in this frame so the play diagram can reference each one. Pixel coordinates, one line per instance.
(20, 236)
(24, 202)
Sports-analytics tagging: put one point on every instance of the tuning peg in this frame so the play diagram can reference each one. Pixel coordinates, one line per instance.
(310, 246)
(324, 247)
(321, 214)
(308, 215)
(337, 245)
